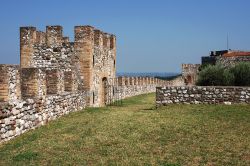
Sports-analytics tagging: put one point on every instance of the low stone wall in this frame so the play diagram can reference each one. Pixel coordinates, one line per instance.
(202, 95)
(23, 115)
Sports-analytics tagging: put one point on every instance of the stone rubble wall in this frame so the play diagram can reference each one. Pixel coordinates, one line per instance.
(38, 103)
(91, 57)
(202, 95)
(179, 81)
(104, 57)
(28, 100)
(45, 49)
(9, 83)
(126, 87)
(134, 90)
(56, 77)
(23, 115)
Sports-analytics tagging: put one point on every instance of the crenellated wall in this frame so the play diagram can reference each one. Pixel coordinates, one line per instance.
(31, 97)
(57, 76)
(45, 95)
(132, 86)
(91, 57)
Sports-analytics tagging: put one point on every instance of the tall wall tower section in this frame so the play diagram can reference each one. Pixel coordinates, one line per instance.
(91, 57)
(84, 49)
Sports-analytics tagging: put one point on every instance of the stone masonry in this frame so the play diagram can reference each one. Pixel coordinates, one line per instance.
(202, 95)
(57, 76)
(226, 57)
(190, 73)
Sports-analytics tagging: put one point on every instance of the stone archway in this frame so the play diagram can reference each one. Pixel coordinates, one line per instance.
(104, 94)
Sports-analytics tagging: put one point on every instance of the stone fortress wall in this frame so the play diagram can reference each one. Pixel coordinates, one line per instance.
(31, 97)
(191, 94)
(202, 95)
(132, 86)
(57, 76)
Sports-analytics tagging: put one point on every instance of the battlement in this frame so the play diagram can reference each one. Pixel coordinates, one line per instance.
(52, 50)
(52, 65)
(33, 42)
(57, 76)
(186, 68)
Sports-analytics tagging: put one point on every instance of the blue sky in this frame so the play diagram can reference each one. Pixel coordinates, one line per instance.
(152, 35)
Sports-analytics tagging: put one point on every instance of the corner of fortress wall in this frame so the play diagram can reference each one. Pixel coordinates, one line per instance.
(57, 76)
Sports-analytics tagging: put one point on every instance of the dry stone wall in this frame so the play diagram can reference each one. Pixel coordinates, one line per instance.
(202, 95)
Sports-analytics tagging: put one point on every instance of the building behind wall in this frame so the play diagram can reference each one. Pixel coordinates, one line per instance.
(226, 57)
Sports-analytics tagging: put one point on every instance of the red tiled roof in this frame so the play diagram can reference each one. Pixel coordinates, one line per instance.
(236, 53)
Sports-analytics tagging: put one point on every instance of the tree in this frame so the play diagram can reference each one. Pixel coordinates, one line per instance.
(215, 75)
(241, 72)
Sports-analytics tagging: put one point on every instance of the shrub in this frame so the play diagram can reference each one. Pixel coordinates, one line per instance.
(215, 75)
(241, 72)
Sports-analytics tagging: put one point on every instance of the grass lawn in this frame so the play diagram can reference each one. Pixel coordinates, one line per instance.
(138, 134)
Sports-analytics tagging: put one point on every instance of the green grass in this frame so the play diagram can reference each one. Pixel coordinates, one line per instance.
(138, 134)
